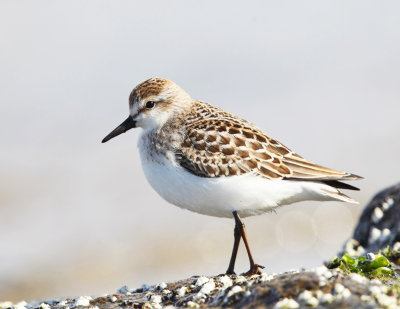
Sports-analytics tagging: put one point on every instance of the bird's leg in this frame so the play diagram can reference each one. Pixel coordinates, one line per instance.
(254, 268)
(237, 234)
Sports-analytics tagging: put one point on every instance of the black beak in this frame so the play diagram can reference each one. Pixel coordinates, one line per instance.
(128, 124)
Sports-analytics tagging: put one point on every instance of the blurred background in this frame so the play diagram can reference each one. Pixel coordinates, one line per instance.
(78, 217)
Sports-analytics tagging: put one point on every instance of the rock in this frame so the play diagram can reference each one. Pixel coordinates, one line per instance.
(379, 224)
(314, 288)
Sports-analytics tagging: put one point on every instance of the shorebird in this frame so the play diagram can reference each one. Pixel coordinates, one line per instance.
(204, 159)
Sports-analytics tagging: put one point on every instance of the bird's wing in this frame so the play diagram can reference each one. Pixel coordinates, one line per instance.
(229, 147)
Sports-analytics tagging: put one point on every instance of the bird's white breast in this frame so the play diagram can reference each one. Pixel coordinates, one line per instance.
(247, 194)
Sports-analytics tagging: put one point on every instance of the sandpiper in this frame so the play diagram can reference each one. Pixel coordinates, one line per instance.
(204, 159)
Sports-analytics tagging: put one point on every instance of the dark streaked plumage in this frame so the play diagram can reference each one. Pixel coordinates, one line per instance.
(219, 144)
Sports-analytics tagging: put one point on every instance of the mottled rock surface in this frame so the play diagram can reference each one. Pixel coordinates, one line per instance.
(379, 226)
(319, 287)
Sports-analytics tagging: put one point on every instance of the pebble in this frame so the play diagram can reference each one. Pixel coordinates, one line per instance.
(5, 304)
(83, 301)
(375, 290)
(388, 203)
(374, 235)
(161, 286)
(208, 287)
(386, 301)
(367, 299)
(202, 280)
(20, 305)
(358, 278)
(181, 291)
(370, 256)
(323, 271)
(385, 235)
(287, 303)
(124, 290)
(240, 279)
(145, 287)
(353, 247)
(377, 215)
(384, 289)
(226, 282)
(156, 298)
(234, 290)
(346, 293)
(318, 294)
(199, 297)
(339, 288)
(266, 277)
(322, 282)
(378, 289)
(341, 291)
(326, 298)
(44, 306)
(112, 299)
(305, 295)
(308, 298)
(192, 304)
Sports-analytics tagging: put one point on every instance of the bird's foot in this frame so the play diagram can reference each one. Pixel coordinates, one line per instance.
(254, 270)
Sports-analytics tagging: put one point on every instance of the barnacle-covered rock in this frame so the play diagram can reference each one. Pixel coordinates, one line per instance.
(364, 276)
(379, 224)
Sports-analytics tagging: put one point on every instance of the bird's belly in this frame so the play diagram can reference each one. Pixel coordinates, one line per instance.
(247, 194)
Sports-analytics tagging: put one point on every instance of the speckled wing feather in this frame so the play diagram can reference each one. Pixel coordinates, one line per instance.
(220, 144)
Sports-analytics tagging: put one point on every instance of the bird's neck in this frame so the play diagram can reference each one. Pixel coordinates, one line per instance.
(164, 140)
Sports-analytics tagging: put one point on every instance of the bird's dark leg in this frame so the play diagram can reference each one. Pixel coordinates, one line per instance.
(254, 268)
(237, 232)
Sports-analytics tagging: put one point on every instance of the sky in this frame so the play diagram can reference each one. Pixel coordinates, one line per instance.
(78, 216)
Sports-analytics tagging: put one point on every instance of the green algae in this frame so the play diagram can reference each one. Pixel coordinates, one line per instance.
(384, 265)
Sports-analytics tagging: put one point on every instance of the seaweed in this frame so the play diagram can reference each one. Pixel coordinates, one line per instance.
(379, 266)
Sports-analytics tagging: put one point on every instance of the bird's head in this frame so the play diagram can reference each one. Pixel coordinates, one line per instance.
(151, 104)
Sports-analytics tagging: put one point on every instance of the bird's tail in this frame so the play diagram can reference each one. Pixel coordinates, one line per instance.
(335, 194)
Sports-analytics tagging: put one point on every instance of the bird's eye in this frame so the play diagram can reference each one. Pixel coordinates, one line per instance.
(150, 104)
